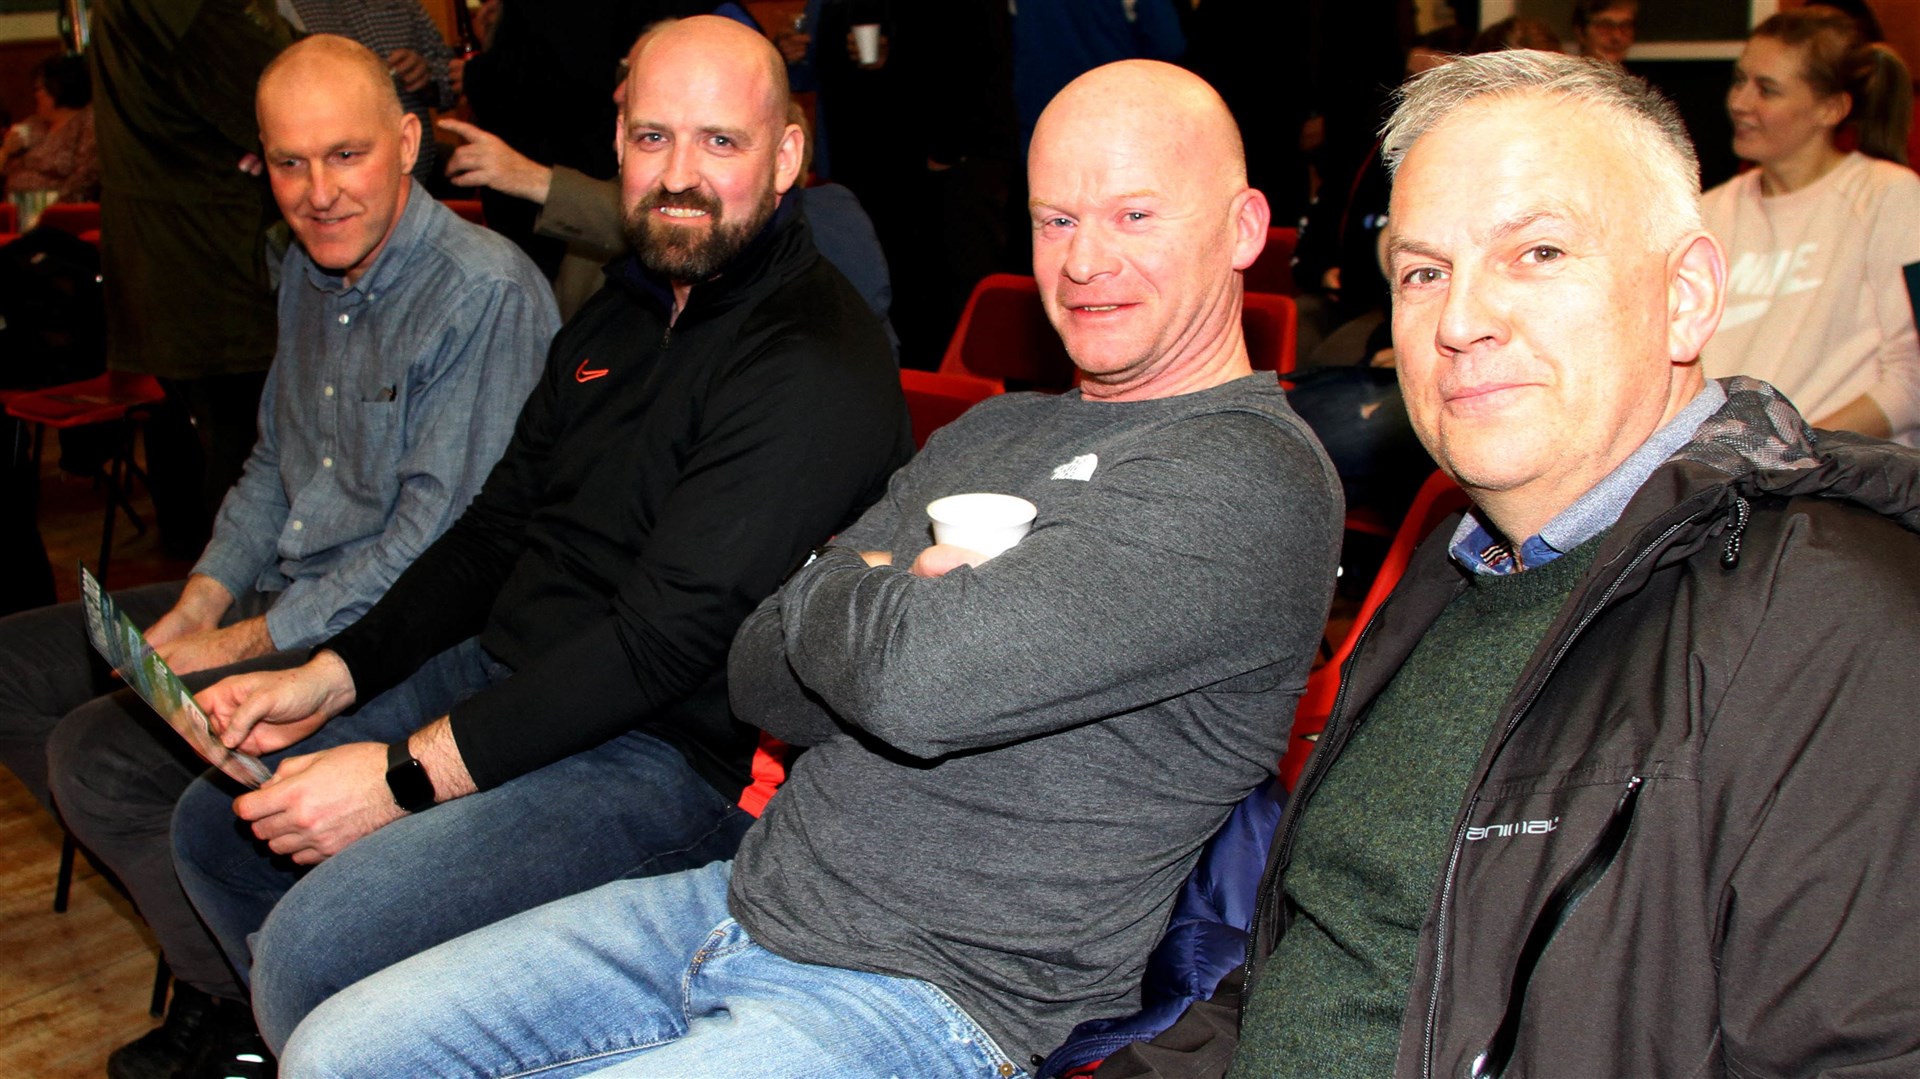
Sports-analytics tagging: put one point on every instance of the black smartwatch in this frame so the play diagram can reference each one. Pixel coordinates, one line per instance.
(407, 779)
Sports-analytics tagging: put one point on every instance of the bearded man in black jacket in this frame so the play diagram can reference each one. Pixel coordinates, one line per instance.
(539, 704)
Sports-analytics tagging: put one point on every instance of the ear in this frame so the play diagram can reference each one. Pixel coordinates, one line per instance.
(620, 136)
(1696, 293)
(787, 157)
(409, 141)
(1834, 109)
(1250, 216)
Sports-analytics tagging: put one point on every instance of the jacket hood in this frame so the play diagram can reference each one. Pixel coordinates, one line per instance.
(1760, 442)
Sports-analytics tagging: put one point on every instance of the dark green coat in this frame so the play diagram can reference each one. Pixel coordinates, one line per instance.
(181, 225)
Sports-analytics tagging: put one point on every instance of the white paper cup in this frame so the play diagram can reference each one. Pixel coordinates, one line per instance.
(987, 523)
(866, 38)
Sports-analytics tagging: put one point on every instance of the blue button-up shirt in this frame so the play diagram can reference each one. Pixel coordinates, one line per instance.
(387, 404)
(1476, 547)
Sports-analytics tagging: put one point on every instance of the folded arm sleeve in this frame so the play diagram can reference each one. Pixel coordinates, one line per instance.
(1128, 594)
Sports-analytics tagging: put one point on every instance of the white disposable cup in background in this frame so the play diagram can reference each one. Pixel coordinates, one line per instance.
(987, 523)
(866, 38)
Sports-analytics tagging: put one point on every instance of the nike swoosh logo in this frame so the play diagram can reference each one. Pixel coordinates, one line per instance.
(586, 374)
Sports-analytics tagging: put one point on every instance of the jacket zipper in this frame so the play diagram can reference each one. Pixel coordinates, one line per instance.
(1566, 895)
(1460, 833)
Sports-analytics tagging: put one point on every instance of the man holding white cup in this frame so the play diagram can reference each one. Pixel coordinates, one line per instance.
(1013, 758)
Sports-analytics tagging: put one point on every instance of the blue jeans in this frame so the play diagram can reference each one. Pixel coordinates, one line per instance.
(637, 978)
(632, 806)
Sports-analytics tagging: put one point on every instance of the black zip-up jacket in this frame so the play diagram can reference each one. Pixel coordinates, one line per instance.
(664, 477)
(1692, 848)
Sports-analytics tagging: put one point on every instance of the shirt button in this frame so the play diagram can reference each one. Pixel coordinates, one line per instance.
(326, 462)
(297, 526)
(328, 391)
(344, 319)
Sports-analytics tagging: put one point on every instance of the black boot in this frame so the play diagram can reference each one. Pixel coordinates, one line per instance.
(231, 1047)
(160, 1053)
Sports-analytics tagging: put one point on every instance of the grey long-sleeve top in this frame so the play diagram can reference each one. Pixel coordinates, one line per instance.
(1014, 766)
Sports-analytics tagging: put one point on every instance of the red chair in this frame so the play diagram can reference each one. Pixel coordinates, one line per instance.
(467, 208)
(1273, 270)
(74, 217)
(1271, 324)
(112, 398)
(1004, 337)
(9, 217)
(1438, 498)
(935, 400)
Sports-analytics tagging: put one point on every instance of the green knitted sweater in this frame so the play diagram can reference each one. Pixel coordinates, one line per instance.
(1371, 843)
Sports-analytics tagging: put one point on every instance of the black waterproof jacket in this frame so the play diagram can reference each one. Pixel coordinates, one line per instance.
(1692, 848)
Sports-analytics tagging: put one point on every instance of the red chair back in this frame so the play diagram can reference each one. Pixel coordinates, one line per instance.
(1272, 325)
(9, 217)
(1273, 270)
(1004, 337)
(74, 217)
(1438, 498)
(935, 400)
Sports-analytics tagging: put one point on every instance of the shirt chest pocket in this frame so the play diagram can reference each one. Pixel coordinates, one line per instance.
(366, 458)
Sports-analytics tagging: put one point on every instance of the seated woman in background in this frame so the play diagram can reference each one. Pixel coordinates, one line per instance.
(1817, 235)
(53, 149)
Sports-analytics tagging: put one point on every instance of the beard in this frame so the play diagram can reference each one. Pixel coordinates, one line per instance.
(691, 255)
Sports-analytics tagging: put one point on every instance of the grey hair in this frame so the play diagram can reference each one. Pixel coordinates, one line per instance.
(1652, 127)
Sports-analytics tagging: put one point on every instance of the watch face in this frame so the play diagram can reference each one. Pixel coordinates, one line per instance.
(412, 790)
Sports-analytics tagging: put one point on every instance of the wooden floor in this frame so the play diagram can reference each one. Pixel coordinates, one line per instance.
(72, 986)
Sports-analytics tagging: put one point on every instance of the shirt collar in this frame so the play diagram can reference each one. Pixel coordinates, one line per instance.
(1479, 549)
(413, 222)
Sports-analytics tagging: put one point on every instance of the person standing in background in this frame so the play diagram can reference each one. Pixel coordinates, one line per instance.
(183, 221)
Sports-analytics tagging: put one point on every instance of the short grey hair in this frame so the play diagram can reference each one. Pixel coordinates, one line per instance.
(1650, 124)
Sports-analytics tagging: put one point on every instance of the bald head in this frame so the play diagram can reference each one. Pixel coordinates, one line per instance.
(715, 43)
(341, 64)
(1142, 221)
(1145, 105)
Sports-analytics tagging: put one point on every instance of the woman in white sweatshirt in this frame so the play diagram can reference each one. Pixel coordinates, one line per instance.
(1818, 236)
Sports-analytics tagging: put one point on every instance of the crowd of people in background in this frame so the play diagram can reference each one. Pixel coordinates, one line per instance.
(525, 694)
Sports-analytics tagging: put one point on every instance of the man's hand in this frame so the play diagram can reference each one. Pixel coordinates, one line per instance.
(487, 161)
(271, 710)
(938, 559)
(877, 558)
(409, 69)
(202, 603)
(217, 647)
(316, 805)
